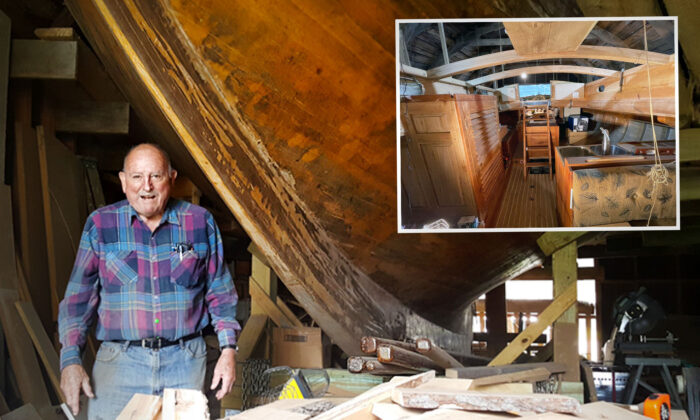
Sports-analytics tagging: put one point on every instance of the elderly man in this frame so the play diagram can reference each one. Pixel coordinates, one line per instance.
(152, 270)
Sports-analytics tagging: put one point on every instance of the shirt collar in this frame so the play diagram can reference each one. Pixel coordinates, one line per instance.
(169, 215)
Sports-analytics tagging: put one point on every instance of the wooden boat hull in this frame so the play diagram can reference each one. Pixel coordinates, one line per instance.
(288, 109)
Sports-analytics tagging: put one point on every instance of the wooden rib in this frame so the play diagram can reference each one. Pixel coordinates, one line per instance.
(626, 55)
(594, 71)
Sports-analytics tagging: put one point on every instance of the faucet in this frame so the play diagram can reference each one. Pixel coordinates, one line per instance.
(606, 141)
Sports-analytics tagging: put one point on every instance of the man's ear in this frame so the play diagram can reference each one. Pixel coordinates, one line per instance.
(173, 175)
(122, 178)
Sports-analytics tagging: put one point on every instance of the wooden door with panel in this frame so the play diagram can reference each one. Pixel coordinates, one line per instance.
(433, 163)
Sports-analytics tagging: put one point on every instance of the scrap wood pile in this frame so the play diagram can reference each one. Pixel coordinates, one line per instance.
(390, 357)
(425, 396)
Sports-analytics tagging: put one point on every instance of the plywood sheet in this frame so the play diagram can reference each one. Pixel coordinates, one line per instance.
(538, 37)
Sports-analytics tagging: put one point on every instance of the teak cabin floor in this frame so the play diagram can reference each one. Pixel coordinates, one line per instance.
(527, 202)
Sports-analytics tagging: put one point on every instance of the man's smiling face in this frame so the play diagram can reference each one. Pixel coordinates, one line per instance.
(146, 181)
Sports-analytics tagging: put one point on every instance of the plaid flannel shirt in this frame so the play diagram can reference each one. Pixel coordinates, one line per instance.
(169, 283)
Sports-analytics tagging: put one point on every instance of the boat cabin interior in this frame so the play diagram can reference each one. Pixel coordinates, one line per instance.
(537, 124)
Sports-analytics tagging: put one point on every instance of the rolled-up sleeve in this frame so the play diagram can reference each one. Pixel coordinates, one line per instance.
(221, 296)
(77, 309)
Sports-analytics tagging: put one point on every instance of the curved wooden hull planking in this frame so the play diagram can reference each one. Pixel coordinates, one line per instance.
(288, 109)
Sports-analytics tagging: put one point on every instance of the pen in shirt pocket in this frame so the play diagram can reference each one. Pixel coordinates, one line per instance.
(181, 248)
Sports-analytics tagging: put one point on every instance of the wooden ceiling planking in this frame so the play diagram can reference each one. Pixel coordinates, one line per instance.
(543, 36)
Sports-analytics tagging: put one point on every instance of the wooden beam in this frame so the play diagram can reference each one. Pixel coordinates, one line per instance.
(594, 71)
(369, 345)
(38, 59)
(267, 306)
(398, 356)
(632, 96)
(496, 324)
(42, 343)
(565, 330)
(546, 36)
(55, 34)
(436, 354)
(545, 319)
(552, 241)
(250, 335)
(93, 117)
(530, 375)
(443, 43)
(584, 51)
(22, 356)
(476, 372)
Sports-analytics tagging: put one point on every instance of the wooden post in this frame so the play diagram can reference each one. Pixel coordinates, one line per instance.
(496, 319)
(565, 330)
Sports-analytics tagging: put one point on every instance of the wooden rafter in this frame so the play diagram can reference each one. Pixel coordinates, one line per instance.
(584, 51)
(539, 37)
(595, 71)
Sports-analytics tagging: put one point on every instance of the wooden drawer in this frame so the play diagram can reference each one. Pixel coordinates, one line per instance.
(537, 139)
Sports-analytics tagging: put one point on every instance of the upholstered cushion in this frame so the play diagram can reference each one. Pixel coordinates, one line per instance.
(621, 194)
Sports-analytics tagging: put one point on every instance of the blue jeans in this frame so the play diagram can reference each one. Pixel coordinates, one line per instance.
(122, 370)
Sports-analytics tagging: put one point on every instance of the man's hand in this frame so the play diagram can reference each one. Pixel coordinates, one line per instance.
(224, 372)
(73, 378)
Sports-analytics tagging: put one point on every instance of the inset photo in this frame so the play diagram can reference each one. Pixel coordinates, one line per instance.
(533, 125)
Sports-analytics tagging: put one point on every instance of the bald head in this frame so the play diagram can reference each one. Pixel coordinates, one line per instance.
(155, 147)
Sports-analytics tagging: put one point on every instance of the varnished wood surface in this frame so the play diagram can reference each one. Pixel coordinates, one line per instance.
(528, 202)
(296, 130)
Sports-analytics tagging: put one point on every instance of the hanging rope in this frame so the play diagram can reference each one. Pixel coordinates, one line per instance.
(658, 173)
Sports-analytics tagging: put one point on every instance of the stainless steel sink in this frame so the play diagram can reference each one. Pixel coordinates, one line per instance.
(591, 150)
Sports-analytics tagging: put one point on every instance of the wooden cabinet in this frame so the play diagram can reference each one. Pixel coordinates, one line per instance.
(451, 163)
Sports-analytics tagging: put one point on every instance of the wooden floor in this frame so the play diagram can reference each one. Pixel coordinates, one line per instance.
(527, 203)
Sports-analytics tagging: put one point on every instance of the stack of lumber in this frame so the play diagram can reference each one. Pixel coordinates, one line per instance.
(383, 356)
(176, 404)
(424, 396)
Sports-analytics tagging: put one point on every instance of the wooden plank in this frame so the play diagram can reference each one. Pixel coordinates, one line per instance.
(390, 411)
(552, 241)
(42, 343)
(25, 412)
(429, 396)
(593, 71)
(475, 372)
(545, 319)
(184, 404)
(5, 25)
(541, 37)
(267, 306)
(251, 333)
(93, 117)
(38, 59)
(436, 354)
(22, 356)
(55, 34)
(142, 406)
(454, 414)
(584, 51)
(545, 273)
(363, 403)
(405, 358)
(369, 345)
(530, 375)
(8, 271)
(63, 192)
(496, 319)
(565, 329)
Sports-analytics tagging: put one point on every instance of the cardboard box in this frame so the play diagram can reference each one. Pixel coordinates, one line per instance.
(297, 347)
